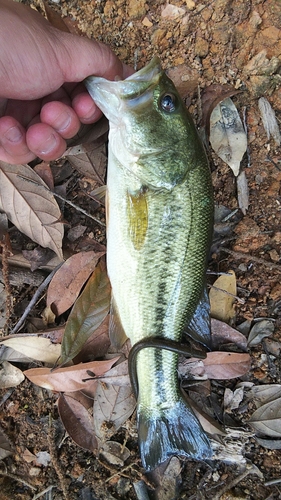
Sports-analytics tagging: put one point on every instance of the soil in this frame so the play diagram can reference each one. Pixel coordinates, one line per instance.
(221, 41)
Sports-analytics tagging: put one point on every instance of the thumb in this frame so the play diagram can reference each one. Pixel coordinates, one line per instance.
(80, 57)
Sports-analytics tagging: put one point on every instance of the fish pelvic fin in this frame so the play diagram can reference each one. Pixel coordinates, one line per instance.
(174, 431)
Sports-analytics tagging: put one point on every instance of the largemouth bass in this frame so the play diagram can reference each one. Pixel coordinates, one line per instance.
(159, 229)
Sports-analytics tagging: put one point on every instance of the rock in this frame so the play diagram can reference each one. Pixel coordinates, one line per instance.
(172, 12)
(201, 47)
(158, 38)
(147, 23)
(190, 4)
(261, 65)
(136, 8)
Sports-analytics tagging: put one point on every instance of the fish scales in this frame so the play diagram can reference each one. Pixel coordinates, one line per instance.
(159, 227)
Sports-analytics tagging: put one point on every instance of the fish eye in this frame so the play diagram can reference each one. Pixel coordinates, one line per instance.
(168, 102)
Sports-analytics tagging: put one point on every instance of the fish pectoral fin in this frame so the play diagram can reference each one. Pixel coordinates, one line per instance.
(117, 334)
(173, 432)
(199, 327)
(138, 218)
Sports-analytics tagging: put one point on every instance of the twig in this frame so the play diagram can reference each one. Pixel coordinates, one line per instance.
(34, 299)
(273, 481)
(242, 301)
(79, 209)
(17, 478)
(258, 260)
(41, 493)
(54, 459)
(5, 269)
(249, 470)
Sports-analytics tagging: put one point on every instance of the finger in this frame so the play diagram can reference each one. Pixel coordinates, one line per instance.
(13, 147)
(61, 118)
(45, 142)
(85, 108)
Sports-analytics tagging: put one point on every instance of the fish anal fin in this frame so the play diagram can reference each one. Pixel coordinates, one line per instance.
(138, 218)
(199, 328)
(173, 432)
(117, 334)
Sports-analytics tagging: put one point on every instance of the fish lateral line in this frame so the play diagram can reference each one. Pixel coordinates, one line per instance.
(158, 343)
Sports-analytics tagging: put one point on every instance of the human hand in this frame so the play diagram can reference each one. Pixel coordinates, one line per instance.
(42, 99)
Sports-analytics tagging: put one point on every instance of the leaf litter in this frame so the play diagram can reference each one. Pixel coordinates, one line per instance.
(70, 402)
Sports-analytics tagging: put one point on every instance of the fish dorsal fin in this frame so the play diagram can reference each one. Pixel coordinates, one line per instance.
(199, 328)
(138, 218)
(117, 334)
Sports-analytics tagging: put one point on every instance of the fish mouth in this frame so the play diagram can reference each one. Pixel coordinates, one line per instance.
(133, 92)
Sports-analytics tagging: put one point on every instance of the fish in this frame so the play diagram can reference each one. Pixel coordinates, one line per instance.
(159, 214)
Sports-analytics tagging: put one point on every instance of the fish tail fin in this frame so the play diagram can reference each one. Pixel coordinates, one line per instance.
(173, 431)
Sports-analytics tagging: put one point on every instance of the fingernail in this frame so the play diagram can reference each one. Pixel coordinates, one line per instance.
(62, 122)
(49, 145)
(13, 134)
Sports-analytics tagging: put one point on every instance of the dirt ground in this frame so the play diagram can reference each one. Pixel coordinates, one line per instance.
(227, 42)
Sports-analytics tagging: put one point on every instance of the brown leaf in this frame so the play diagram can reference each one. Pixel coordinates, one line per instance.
(44, 170)
(30, 206)
(88, 313)
(97, 344)
(263, 394)
(211, 97)
(223, 334)
(226, 365)
(70, 378)
(222, 297)
(118, 375)
(217, 365)
(69, 279)
(78, 422)
(38, 257)
(267, 419)
(113, 405)
(90, 160)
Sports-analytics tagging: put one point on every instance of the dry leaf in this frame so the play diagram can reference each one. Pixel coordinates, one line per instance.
(88, 313)
(10, 375)
(6, 447)
(270, 444)
(35, 348)
(89, 159)
(69, 279)
(29, 205)
(113, 405)
(242, 192)
(260, 330)
(223, 334)
(115, 453)
(226, 365)
(118, 375)
(77, 421)
(269, 120)
(222, 297)
(210, 98)
(227, 135)
(217, 365)
(265, 393)
(44, 170)
(267, 419)
(70, 378)
(97, 344)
